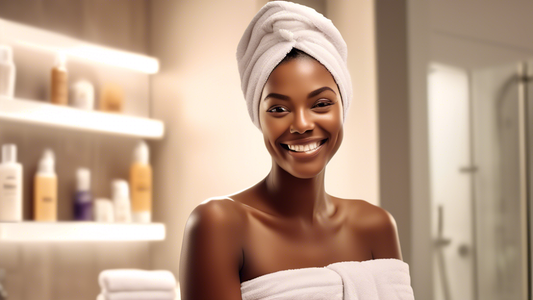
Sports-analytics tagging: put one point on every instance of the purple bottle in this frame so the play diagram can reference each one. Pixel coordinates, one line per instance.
(83, 200)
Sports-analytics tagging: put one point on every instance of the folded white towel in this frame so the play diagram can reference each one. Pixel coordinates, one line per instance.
(138, 295)
(277, 28)
(379, 279)
(124, 280)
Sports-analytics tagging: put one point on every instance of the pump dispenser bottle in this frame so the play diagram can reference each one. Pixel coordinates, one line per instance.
(10, 185)
(7, 72)
(83, 204)
(141, 184)
(45, 197)
(59, 81)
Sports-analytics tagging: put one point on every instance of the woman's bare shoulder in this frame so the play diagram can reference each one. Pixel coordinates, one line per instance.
(376, 223)
(218, 211)
(366, 213)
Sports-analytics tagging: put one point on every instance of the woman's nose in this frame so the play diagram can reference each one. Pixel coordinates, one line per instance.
(302, 122)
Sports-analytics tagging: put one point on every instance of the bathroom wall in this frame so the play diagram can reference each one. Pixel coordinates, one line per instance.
(69, 270)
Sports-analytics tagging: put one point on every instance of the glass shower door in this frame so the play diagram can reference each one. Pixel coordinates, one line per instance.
(500, 192)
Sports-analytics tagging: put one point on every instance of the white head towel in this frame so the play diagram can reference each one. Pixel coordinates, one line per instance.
(277, 28)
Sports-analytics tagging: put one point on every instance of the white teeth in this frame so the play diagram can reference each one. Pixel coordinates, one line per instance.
(304, 148)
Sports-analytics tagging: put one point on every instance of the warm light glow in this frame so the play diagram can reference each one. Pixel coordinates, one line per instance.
(80, 231)
(104, 55)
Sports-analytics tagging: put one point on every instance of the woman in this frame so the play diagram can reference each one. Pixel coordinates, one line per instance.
(285, 237)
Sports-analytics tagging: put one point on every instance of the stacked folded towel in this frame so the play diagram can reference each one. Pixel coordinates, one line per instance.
(132, 284)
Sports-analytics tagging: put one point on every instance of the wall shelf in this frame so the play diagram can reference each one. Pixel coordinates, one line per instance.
(80, 231)
(40, 113)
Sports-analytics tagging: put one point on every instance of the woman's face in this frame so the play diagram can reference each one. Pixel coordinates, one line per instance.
(301, 116)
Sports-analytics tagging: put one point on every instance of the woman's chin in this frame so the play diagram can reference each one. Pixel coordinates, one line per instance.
(304, 172)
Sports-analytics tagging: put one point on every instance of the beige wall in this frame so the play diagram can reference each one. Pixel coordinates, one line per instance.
(212, 148)
(472, 34)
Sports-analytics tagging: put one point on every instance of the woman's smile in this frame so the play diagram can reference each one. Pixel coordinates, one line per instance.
(305, 148)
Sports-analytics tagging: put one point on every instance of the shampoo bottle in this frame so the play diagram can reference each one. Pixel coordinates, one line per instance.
(83, 204)
(59, 81)
(141, 185)
(45, 197)
(10, 185)
(121, 201)
(7, 72)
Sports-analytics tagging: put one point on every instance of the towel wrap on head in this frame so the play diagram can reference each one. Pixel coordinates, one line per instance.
(278, 27)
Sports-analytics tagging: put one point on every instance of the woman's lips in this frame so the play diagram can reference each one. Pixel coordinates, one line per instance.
(304, 149)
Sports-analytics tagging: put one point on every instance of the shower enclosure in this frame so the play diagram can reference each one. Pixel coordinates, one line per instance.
(481, 134)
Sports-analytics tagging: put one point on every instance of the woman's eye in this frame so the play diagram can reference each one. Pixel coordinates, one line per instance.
(277, 109)
(321, 104)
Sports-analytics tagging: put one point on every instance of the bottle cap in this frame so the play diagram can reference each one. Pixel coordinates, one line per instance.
(60, 61)
(47, 163)
(9, 153)
(83, 179)
(141, 154)
(6, 54)
(120, 189)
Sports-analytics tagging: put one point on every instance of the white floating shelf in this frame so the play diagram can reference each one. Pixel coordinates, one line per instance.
(40, 113)
(80, 231)
(43, 40)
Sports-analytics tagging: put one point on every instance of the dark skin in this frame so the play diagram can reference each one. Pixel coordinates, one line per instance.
(286, 221)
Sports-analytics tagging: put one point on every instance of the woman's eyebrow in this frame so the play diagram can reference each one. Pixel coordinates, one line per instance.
(277, 96)
(320, 90)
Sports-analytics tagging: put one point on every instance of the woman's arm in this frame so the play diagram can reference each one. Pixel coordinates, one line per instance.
(211, 255)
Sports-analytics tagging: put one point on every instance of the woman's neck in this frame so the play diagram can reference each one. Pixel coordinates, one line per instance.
(290, 196)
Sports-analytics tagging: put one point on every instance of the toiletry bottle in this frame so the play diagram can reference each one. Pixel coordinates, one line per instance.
(45, 197)
(141, 185)
(121, 201)
(111, 98)
(7, 72)
(83, 205)
(59, 81)
(10, 185)
(103, 209)
(82, 95)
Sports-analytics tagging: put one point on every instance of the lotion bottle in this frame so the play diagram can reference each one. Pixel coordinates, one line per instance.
(83, 204)
(59, 81)
(45, 197)
(121, 201)
(7, 72)
(141, 185)
(10, 185)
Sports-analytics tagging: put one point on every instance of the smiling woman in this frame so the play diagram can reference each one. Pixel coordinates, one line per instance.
(285, 237)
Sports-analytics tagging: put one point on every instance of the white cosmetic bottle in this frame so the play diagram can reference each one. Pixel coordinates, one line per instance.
(7, 72)
(10, 185)
(121, 201)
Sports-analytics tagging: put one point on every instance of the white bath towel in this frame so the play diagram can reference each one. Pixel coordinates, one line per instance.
(124, 280)
(138, 295)
(379, 279)
(278, 27)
